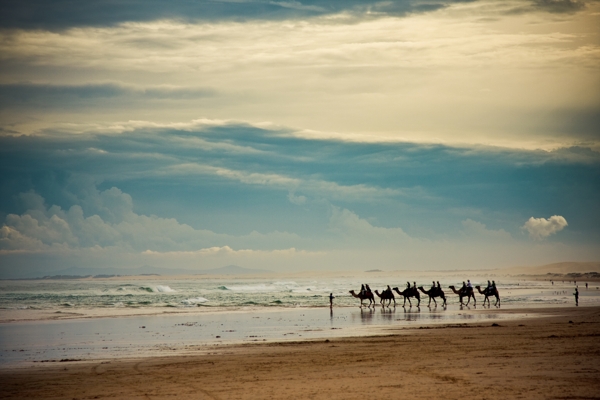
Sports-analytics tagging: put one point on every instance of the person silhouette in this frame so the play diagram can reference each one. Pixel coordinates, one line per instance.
(576, 294)
(331, 300)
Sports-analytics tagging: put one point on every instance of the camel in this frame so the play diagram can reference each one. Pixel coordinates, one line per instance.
(408, 293)
(464, 292)
(364, 296)
(433, 293)
(386, 295)
(489, 292)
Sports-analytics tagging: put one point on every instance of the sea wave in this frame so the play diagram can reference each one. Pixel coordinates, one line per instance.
(157, 289)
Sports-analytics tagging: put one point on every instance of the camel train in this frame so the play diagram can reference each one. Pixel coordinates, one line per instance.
(466, 291)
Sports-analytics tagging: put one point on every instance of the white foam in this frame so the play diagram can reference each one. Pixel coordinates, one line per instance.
(194, 301)
(164, 289)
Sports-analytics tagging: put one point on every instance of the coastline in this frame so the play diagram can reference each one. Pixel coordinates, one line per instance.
(554, 355)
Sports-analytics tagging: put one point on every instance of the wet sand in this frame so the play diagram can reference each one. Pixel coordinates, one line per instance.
(552, 357)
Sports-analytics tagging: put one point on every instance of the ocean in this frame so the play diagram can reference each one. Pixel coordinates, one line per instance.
(106, 296)
(103, 319)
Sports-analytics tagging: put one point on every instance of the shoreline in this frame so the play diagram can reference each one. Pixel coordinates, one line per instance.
(122, 337)
(555, 355)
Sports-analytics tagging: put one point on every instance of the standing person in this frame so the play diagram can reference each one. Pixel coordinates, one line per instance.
(331, 300)
(586, 286)
(576, 294)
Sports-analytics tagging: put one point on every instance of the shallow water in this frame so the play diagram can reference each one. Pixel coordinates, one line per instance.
(105, 338)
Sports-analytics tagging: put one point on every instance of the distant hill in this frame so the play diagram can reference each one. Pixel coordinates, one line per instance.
(145, 270)
(555, 268)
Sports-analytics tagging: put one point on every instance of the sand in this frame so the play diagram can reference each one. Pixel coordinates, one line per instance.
(552, 357)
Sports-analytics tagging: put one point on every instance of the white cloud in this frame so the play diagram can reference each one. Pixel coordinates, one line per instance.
(477, 230)
(540, 228)
(298, 200)
(354, 228)
(112, 223)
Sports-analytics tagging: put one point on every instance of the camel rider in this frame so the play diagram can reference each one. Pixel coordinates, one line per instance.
(414, 285)
(489, 286)
(494, 285)
(389, 289)
(469, 284)
(432, 286)
(464, 286)
(368, 288)
(362, 289)
(439, 287)
(407, 284)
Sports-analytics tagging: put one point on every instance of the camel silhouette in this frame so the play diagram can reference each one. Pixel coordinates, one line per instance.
(408, 293)
(489, 292)
(465, 292)
(386, 295)
(433, 293)
(364, 296)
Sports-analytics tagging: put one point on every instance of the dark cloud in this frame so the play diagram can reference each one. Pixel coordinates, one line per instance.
(559, 6)
(12, 95)
(60, 14)
(551, 6)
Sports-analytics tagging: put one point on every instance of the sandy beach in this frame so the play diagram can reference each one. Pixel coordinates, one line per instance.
(555, 356)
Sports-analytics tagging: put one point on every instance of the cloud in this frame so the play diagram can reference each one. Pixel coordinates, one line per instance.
(51, 95)
(477, 231)
(56, 14)
(105, 219)
(541, 228)
(294, 199)
(559, 6)
(358, 231)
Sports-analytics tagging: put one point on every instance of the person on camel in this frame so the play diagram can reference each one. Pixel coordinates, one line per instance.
(439, 287)
(469, 284)
(368, 288)
(464, 286)
(389, 289)
(494, 284)
(407, 284)
(432, 286)
(362, 289)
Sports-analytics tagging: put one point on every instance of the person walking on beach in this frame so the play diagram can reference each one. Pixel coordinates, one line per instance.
(331, 300)
(576, 294)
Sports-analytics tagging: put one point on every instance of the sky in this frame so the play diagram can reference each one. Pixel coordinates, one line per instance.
(298, 135)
